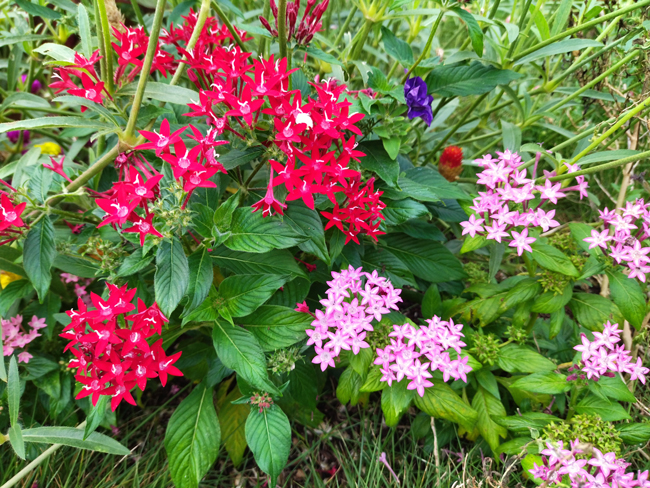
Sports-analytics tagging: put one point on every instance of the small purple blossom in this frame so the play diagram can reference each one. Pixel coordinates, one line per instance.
(417, 99)
(14, 135)
(36, 85)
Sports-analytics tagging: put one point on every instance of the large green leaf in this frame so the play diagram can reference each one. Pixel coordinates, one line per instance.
(388, 265)
(250, 232)
(8, 258)
(399, 211)
(277, 261)
(201, 276)
(440, 401)
(521, 424)
(549, 302)
(82, 267)
(96, 415)
(232, 417)
(592, 311)
(236, 157)
(397, 48)
(549, 382)
(245, 293)
(428, 260)
(553, 259)
(307, 221)
(69, 436)
(84, 31)
(134, 262)
(17, 441)
(628, 297)
(514, 358)
(12, 292)
(37, 10)
(276, 327)
(192, 438)
(378, 161)
(473, 28)
(268, 434)
(634, 432)
(57, 122)
(172, 275)
(523, 291)
(162, 92)
(462, 80)
(427, 185)
(238, 349)
(560, 47)
(395, 400)
(606, 410)
(489, 408)
(39, 252)
(613, 388)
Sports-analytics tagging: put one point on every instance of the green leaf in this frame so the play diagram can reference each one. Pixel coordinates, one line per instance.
(556, 322)
(395, 400)
(488, 408)
(612, 388)
(11, 40)
(15, 290)
(634, 433)
(39, 252)
(592, 311)
(238, 349)
(245, 293)
(57, 122)
(134, 263)
(514, 358)
(236, 157)
(69, 436)
(428, 260)
(608, 411)
(580, 231)
(473, 243)
(549, 382)
(561, 17)
(457, 80)
(192, 438)
(399, 211)
(201, 276)
(488, 381)
(172, 275)
(349, 387)
(277, 261)
(373, 381)
(276, 327)
(561, 47)
(397, 48)
(82, 267)
(440, 401)
(268, 435)
(628, 296)
(378, 161)
(162, 92)
(39, 182)
(96, 415)
(17, 441)
(427, 185)
(431, 302)
(553, 259)
(13, 391)
(250, 232)
(36, 10)
(306, 221)
(420, 229)
(521, 424)
(232, 417)
(523, 291)
(473, 28)
(388, 265)
(323, 56)
(549, 302)
(8, 258)
(84, 31)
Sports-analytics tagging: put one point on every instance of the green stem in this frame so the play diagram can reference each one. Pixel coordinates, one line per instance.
(262, 45)
(586, 25)
(102, 47)
(138, 14)
(200, 22)
(231, 29)
(108, 49)
(146, 68)
(346, 24)
(361, 39)
(601, 167)
(427, 46)
(282, 27)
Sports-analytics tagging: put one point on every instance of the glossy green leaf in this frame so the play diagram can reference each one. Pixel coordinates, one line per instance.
(78, 266)
(488, 408)
(628, 296)
(549, 302)
(388, 265)
(549, 382)
(268, 434)
(431, 302)
(349, 387)
(172, 275)
(553, 259)
(521, 424)
(232, 417)
(581, 230)
(473, 28)
(96, 415)
(69, 436)
(308, 222)
(427, 185)
(58, 122)
(276, 327)
(634, 432)
(440, 401)
(39, 252)
(84, 31)
(613, 388)
(201, 275)
(592, 311)
(457, 80)
(606, 410)
(250, 232)
(397, 48)
(162, 92)
(8, 258)
(37, 10)
(134, 263)
(192, 438)
(245, 293)
(399, 211)
(395, 400)
(15, 290)
(514, 358)
(277, 261)
(378, 161)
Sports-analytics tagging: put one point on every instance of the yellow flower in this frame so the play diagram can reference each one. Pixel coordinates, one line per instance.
(6, 277)
(51, 148)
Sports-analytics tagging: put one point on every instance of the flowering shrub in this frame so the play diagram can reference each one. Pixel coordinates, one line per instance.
(271, 213)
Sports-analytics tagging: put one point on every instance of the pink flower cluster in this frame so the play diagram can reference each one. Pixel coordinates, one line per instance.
(14, 338)
(354, 299)
(503, 211)
(80, 285)
(404, 356)
(625, 230)
(600, 471)
(603, 357)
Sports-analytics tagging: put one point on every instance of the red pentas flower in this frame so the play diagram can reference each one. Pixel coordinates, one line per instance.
(111, 349)
(93, 88)
(10, 219)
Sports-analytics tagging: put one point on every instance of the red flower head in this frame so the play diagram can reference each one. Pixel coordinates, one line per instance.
(451, 161)
(10, 214)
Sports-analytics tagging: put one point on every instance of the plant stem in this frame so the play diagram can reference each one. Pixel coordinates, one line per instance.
(346, 24)
(231, 29)
(282, 27)
(586, 25)
(601, 167)
(427, 46)
(146, 68)
(102, 48)
(261, 48)
(108, 49)
(138, 14)
(196, 33)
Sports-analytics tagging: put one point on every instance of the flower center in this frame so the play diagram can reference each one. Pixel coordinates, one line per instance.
(10, 216)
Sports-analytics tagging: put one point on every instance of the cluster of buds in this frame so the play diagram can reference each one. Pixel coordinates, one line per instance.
(261, 401)
(603, 357)
(309, 25)
(622, 237)
(410, 346)
(110, 348)
(354, 299)
(586, 467)
(507, 186)
(10, 221)
(14, 338)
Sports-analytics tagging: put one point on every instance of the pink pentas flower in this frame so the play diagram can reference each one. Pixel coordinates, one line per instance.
(16, 336)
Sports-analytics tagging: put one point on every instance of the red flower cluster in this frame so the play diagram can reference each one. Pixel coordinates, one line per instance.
(317, 136)
(111, 349)
(309, 25)
(10, 219)
(84, 69)
(131, 48)
(451, 161)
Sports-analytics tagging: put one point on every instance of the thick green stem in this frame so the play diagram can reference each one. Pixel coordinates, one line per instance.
(146, 68)
(200, 22)
(346, 24)
(360, 39)
(425, 51)
(108, 49)
(586, 25)
(282, 27)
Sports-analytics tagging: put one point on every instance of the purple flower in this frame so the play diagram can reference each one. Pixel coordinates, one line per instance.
(36, 85)
(417, 100)
(13, 136)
